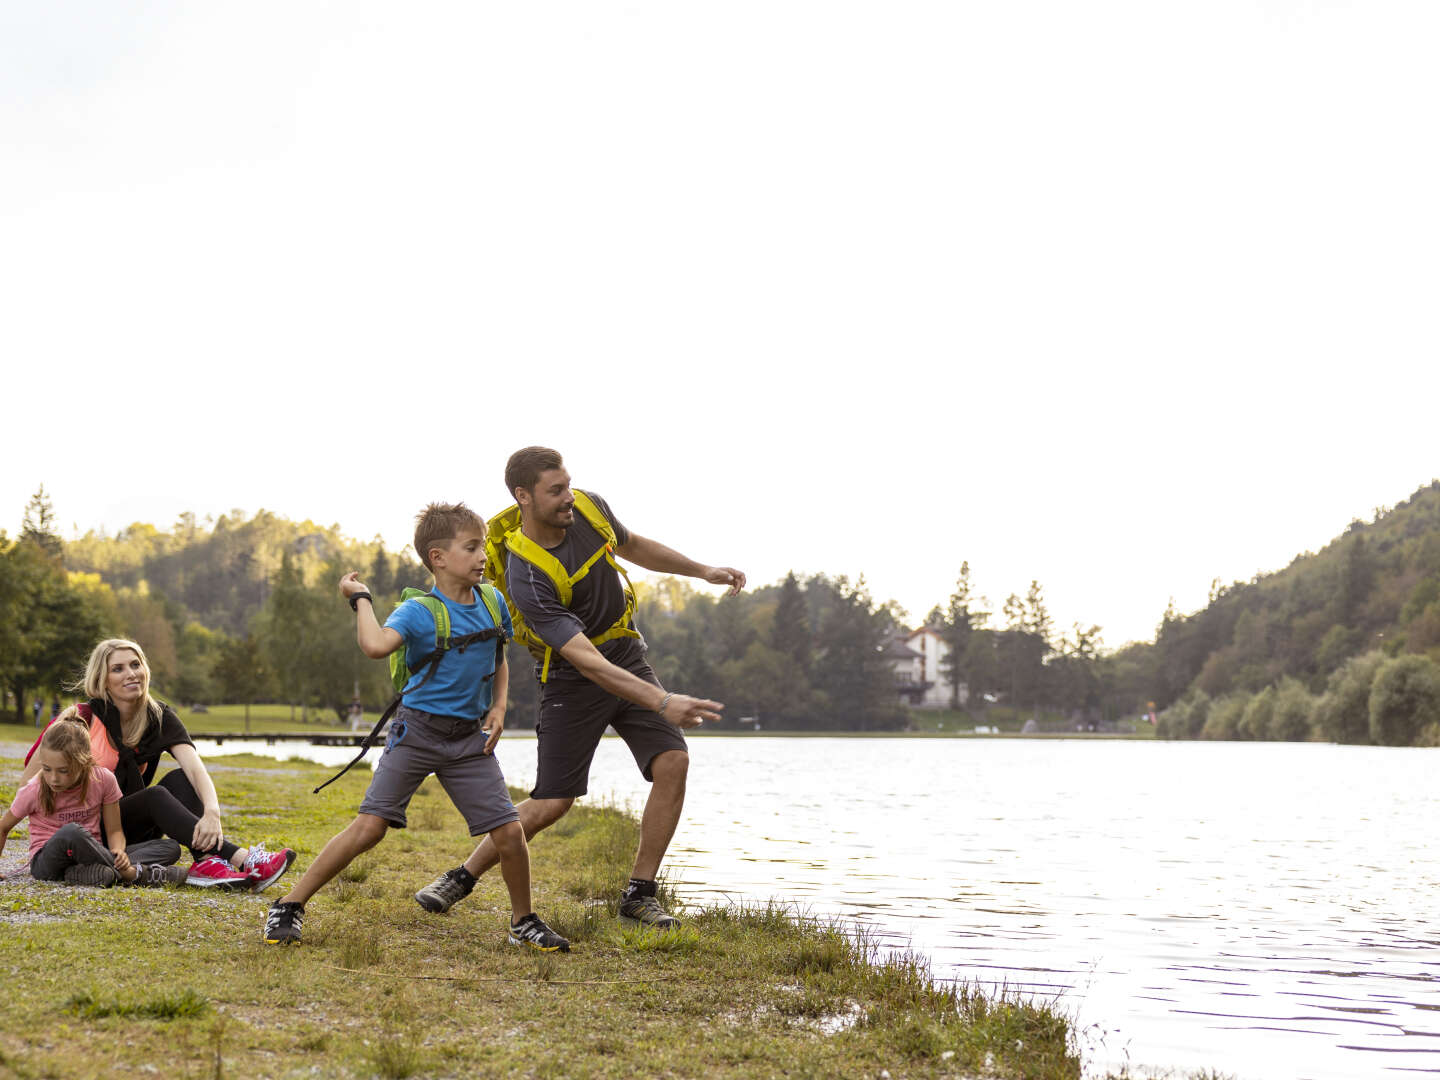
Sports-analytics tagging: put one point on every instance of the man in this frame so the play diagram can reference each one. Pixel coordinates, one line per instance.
(564, 585)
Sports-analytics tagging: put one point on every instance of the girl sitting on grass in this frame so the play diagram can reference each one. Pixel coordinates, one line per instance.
(66, 802)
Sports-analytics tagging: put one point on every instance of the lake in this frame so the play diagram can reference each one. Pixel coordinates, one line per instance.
(1264, 909)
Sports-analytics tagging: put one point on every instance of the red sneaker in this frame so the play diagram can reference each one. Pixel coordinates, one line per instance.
(265, 867)
(214, 872)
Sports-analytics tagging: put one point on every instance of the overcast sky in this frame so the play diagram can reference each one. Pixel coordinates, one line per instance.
(1122, 297)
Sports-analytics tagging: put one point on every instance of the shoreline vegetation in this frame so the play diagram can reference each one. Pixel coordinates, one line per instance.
(176, 982)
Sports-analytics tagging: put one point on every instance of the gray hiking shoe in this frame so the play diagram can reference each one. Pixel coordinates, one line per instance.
(102, 877)
(646, 911)
(153, 875)
(445, 891)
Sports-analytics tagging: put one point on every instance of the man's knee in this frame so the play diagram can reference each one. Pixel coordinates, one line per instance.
(670, 767)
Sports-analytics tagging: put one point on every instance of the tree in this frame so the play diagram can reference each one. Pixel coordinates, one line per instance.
(288, 628)
(851, 670)
(240, 673)
(1404, 699)
(382, 573)
(956, 624)
(1343, 712)
(790, 629)
(47, 625)
(38, 527)
(1290, 721)
(198, 653)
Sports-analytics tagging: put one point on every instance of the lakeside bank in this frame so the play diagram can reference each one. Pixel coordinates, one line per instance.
(381, 988)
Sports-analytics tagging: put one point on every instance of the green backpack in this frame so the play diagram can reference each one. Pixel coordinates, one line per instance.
(401, 673)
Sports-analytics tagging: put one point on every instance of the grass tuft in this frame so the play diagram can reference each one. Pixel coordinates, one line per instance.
(182, 1006)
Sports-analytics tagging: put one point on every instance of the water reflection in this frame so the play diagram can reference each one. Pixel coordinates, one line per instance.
(1266, 910)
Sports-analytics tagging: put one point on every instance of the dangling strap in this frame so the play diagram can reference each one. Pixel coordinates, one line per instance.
(433, 660)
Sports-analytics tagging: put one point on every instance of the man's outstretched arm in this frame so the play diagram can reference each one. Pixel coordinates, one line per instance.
(682, 710)
(653, 555)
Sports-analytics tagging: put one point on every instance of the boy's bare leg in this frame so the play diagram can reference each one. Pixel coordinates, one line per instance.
(344, 847)
(535, 814)
(514, 854)
(662, 811)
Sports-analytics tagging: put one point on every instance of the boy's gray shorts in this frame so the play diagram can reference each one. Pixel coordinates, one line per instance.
(420, 744)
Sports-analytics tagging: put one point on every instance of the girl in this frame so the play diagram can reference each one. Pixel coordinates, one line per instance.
(129, 730)
(66, 803)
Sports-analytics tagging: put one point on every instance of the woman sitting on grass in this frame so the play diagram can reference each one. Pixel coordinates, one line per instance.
(66, 804)
(129, 730)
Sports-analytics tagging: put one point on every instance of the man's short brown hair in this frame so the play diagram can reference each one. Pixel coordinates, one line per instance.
(439, 523)
(525, 466)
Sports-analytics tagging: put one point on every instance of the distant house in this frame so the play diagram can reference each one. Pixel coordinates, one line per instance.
(909, 668)
(932, 649)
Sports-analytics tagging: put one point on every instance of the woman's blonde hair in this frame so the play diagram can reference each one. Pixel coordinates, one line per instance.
(72, 742)
(93, 686)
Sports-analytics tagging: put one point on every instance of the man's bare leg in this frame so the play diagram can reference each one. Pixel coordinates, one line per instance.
(662, 811)
(639, 904)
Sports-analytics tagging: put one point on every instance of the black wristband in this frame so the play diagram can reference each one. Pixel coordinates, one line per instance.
(359, 596)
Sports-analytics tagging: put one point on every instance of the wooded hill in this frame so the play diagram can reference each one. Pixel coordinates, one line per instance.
(245, 609)
(1295, 639)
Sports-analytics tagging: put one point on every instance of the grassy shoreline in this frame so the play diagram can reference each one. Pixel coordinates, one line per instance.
(380, 988)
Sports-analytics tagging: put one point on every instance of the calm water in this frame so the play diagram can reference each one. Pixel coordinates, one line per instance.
(1265, 910)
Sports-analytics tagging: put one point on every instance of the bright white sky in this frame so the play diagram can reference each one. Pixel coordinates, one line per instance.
(1119, 296)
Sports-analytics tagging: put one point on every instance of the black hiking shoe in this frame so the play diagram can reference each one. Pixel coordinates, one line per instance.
(282, 924)
(646, 911)
(153, 875)
(446, 891)
(532, 931)
(97, 874)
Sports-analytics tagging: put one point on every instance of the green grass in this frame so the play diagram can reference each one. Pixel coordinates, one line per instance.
(109, 981)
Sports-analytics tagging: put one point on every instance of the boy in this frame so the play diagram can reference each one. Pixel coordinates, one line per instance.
(448, 723)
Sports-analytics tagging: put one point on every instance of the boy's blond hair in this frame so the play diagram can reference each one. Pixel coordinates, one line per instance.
(440, 523)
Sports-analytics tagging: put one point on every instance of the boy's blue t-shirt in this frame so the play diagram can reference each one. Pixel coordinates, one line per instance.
(461, 685)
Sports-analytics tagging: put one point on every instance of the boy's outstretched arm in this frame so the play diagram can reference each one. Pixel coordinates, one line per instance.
(376, 641)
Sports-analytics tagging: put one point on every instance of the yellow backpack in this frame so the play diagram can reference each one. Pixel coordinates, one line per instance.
(503, 534)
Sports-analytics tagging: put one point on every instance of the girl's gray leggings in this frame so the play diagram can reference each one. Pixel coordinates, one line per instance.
(72, 844)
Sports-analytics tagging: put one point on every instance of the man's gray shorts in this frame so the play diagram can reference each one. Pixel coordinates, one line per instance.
(420, 744)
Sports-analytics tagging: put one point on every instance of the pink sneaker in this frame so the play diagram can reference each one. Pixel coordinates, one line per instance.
(214, 872)
(265, 867)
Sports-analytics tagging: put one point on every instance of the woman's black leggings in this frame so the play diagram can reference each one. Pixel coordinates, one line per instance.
(168, 808)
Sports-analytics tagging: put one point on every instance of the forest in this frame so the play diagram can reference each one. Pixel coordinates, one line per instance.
(1341, 645)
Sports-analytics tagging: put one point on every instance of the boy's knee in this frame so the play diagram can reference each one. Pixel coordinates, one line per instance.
(369, 830)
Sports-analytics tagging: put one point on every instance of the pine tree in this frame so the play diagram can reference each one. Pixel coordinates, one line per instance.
(38, 527)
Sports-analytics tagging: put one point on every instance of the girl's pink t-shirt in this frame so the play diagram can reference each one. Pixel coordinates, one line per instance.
(68, 807)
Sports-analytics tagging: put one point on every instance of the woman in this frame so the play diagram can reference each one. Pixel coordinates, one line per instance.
(129, 730)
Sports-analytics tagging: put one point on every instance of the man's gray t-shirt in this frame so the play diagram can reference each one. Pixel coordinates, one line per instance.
(596, 601)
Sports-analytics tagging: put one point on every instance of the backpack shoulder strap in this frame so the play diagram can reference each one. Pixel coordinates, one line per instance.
(598, 521)
(400, 671)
